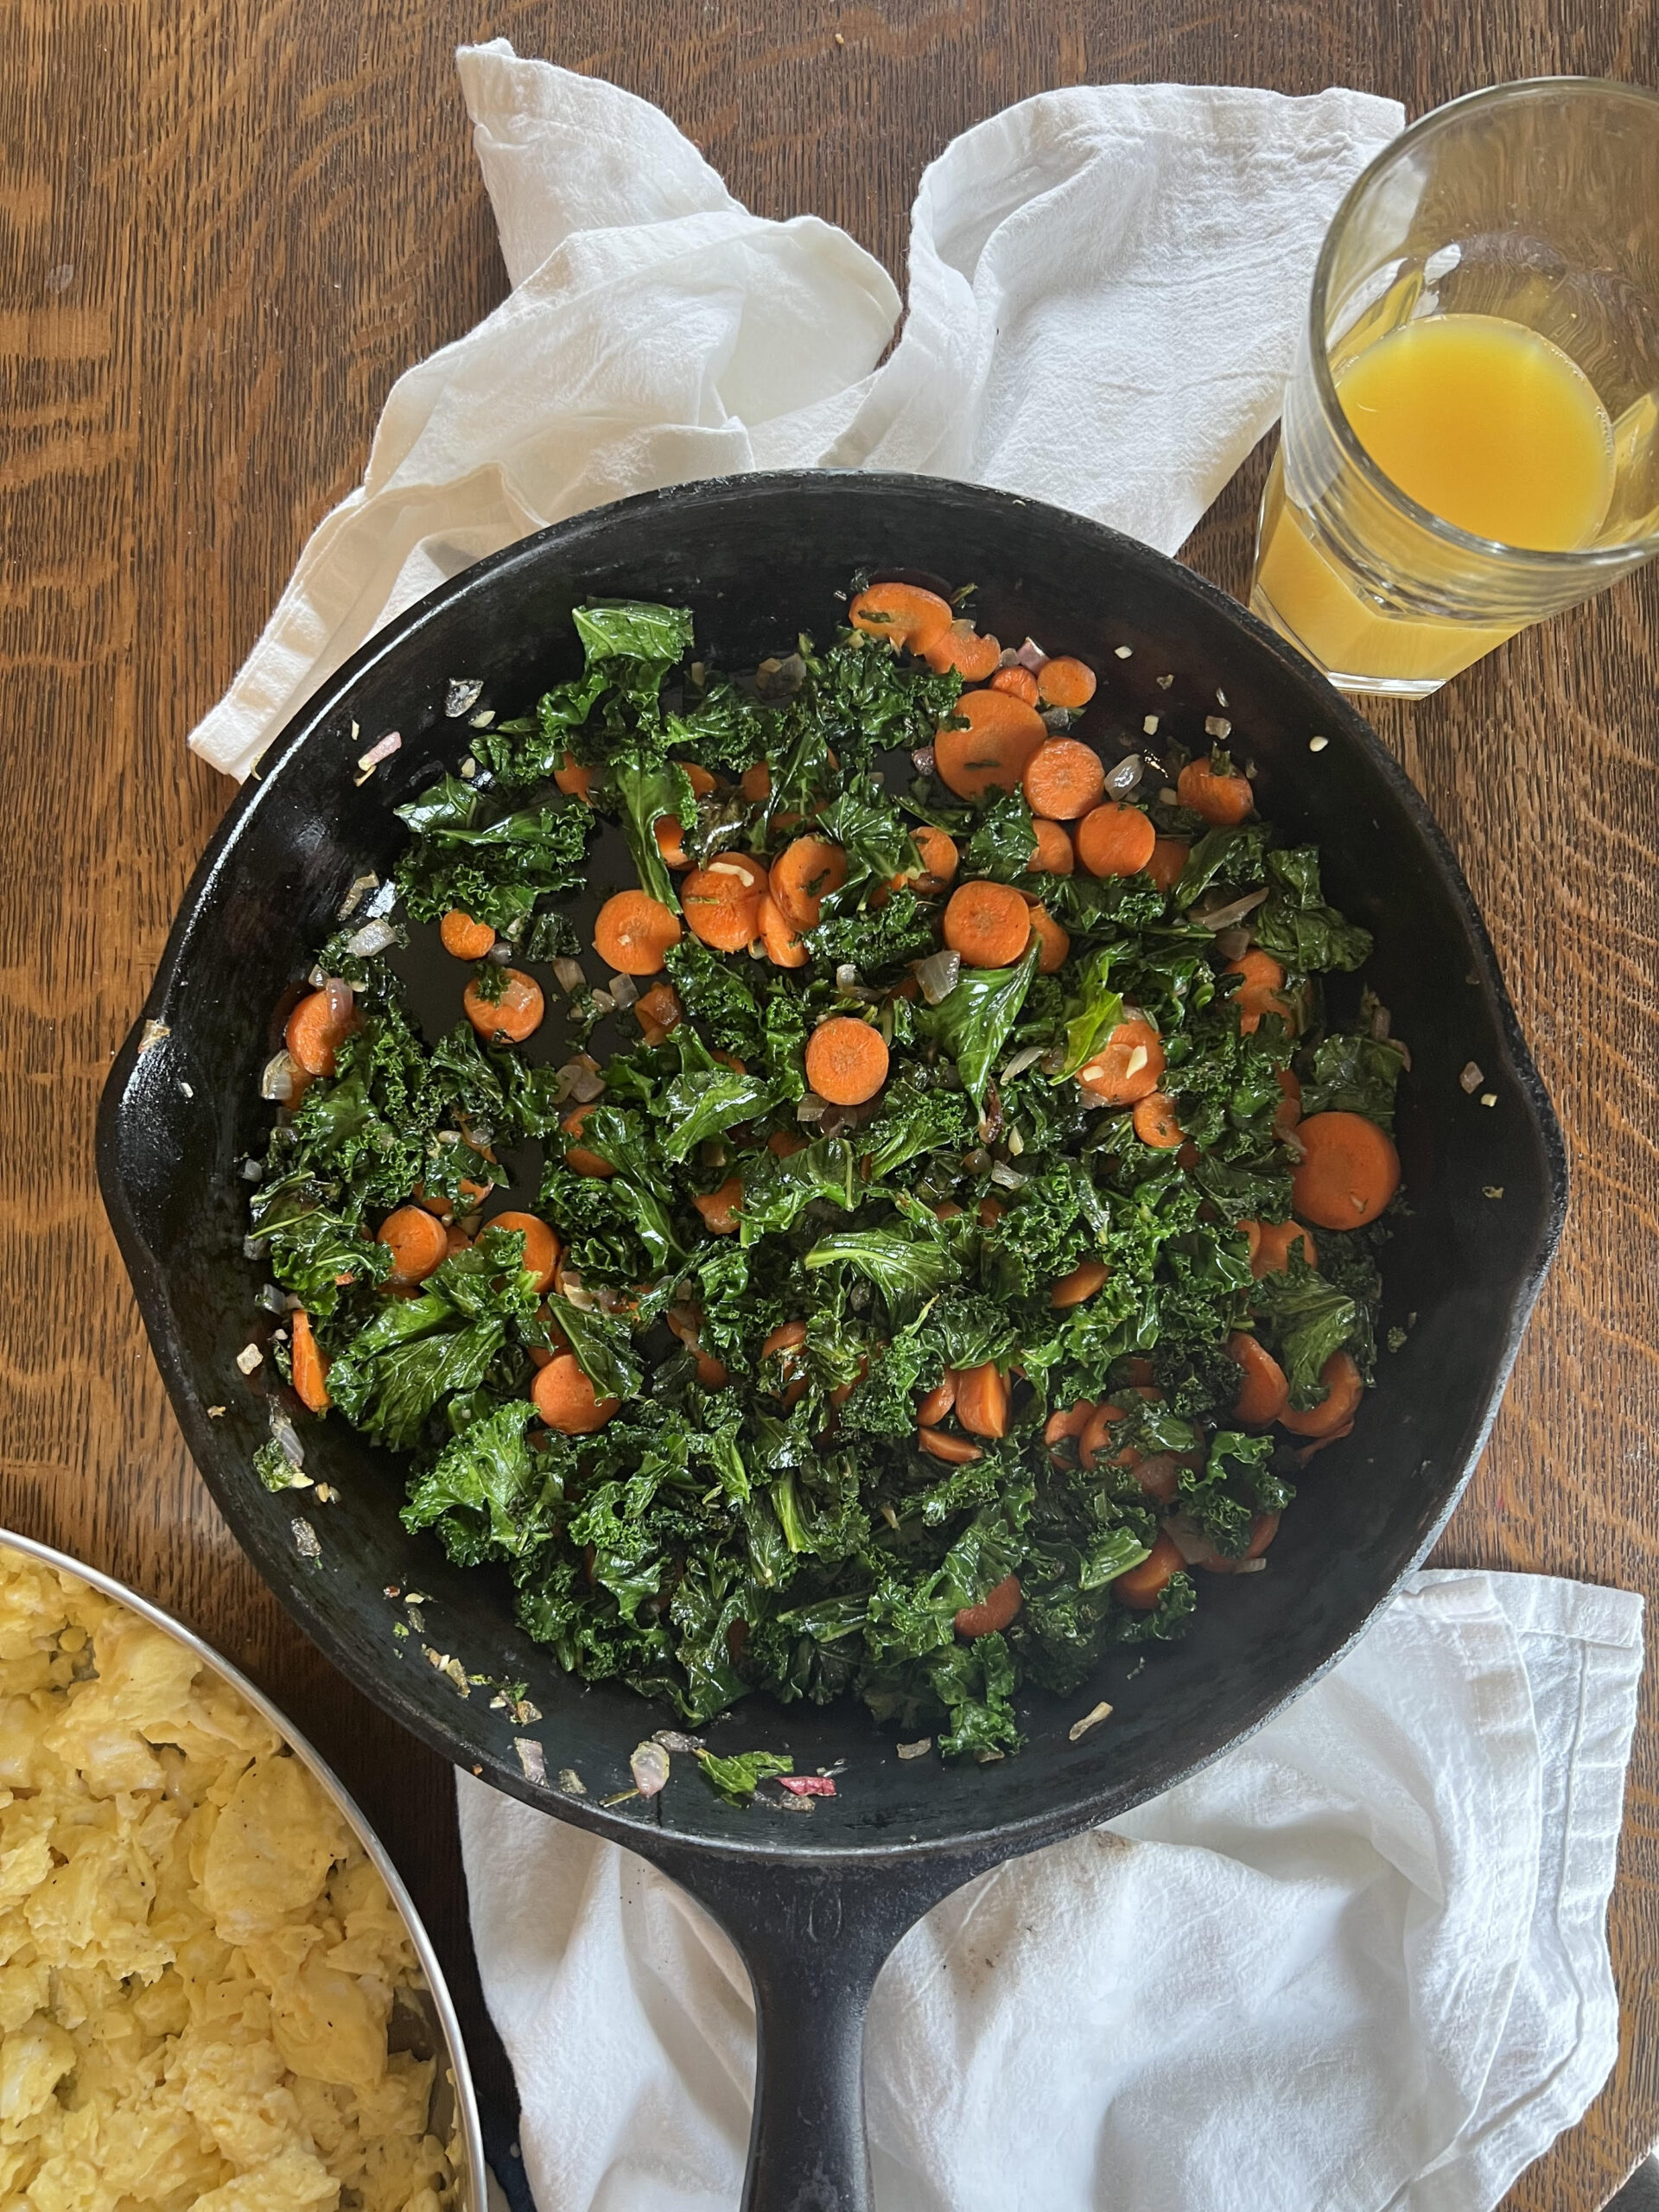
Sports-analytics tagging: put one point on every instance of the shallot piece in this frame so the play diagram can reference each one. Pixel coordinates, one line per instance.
(341, 1000)
(276, 1078)
(938, 976)
(805, 1785)
(463, 696)
(1126, 774)
(382, 749)
(1225, 917)
(567, 974)
(648, 1763)
(372, 938)
(1031, 655)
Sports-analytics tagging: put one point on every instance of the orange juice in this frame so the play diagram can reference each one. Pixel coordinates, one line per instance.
(1487, 425)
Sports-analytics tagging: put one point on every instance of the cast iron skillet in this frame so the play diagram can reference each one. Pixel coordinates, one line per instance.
(815, 1904)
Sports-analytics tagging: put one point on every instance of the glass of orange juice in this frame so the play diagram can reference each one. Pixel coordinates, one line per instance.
(1470, 436)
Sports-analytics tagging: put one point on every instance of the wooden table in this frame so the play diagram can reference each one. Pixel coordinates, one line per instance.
(228, 226)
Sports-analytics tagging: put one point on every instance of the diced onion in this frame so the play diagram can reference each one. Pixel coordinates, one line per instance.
(1031, 655)
(1126, 775)
(463, 696)
(1020, 1062)
(603, 1003)
(585, 1085)
(1194, 1546)
(1007, 1178)
(938, 976)
(1223, 917)
(567, 974)
(372, 938)
(277, 1079)
(287, 1438)
(340, 1001)
(1056, 720)
(648, 1764)
(1233, 944)
(845, 975)
(925, 760)
(812, 1108)
(623, 989)
(382, 749)
(357, 890)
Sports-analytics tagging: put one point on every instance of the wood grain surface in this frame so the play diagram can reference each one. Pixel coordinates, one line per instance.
(227, 227)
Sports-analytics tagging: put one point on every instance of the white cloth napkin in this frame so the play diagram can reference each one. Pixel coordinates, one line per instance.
(1105, 287)
(1356, 1965)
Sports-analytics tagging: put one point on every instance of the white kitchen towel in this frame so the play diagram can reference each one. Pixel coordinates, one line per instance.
(1105, 287)
(1356, 1965)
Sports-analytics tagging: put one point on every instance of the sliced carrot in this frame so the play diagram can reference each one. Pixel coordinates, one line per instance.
(315, 1034)
(783, 1345)
(658, 1012)
(1263, 1393)
(702, 780)
(1273, 1244)
(846, 1060)
(1155, 1123)
(541, 1247)
(1064, 779)
(779, 935)
(1085, 1280)
(567, 1401)
(1056, 942)
(1258, 993)
(990, 1213)
(802, 875)
(1219, 795)
(416, 1242)
(578, 1157)
(735, 876)
(1143, 1585)
(670, 840)
(310, 1363)
(1290, 1113)
(1168, 862)
(722, 1210)
(903, 614)
(842, 1391)
(1160, 1477)
(938, 1402)
(572, 778)
(1053, 853)
(1128, 1067)
(463, 938)
(1337, 1410)
(755, 784)
(940, 860)
(991, 752)
(962, 647)
(988, 923)
(1115, 840)
(944, 1444)
(1068, 1426)
(1064, 682)
(983, 1400)
(1349, 1171)
(950, 1211)
(995, 1610)
(455, 1239)
(723, 924)
(473, 1194)
(712, 1374)
(515, 1015)
(633, 930)
(1018, 682)
(1097, 1435)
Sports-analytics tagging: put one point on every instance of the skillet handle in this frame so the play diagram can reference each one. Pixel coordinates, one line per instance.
(814, 1938)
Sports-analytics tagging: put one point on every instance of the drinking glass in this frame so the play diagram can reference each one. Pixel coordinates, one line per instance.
(1535, 206)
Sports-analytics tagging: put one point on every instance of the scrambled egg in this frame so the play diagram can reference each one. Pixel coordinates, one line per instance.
(197, 1961)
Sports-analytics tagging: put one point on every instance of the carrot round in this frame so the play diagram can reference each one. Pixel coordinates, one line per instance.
(1126, 1067)
(1067, 1425)
(1337, 1409)
(903, 614)
(803, 874)
(939, 860)
(944, 1444)
(990, 1213)
(1097, 1435)
(988, 923)
(937, 1401)
(567, 1401)
(315, 1034)
(1155, 1123)
(755, 784)
(721, 922)
(416, 1242)
(1018, 682)
(1064, 682)
(846, 1060)
(1064, 779)
(633, 930)
(670, 840)
(991, 752)
(1289, 1113)
(310, 1363)
(1263, 979)
(722, 1210)
(1053, 853)
(1273, 1244)
(1219, 794)
(962, 647)
(572, 778)
(702, 780)
(983, 1400)
(1115, 840)
(1169, 859)
(1160, 1477)
(736, 875)
(541, 1247)
(463, 938)
(1056, 942)
(1143, 1585)
(515, 1015)
(658, 1012)
(778, 935)
(1263, 1393)
(578, 1157)
(995, 1610)
(1349, 1171)
(1085, 1280)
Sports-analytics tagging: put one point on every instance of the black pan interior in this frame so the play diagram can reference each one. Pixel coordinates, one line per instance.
(757, 559)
